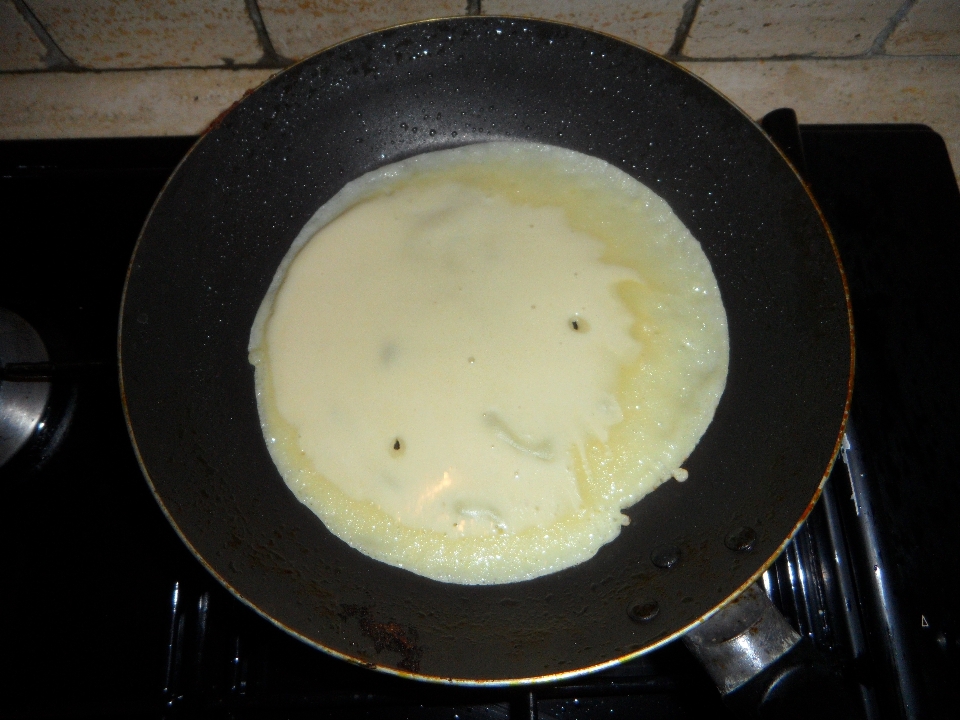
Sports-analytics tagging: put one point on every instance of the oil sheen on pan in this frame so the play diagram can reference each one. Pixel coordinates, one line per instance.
(471, 361)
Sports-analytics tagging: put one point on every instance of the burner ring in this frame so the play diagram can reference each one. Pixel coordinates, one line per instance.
(21, 402)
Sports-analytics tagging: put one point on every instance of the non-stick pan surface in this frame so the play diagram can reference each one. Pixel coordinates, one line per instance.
(228, 215)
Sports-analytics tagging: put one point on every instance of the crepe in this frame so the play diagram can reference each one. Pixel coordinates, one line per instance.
(471, 361)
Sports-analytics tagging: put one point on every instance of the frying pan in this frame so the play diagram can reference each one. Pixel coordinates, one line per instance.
(225, 219)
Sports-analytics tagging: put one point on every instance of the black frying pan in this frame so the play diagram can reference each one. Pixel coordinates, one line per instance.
(231, 210)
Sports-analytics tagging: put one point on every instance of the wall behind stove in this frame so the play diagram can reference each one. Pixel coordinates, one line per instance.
(82, 68)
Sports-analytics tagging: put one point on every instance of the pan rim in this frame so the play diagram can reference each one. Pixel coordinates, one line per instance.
(470, 682)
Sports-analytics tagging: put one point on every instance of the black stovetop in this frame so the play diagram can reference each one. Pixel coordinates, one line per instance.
(105, 612)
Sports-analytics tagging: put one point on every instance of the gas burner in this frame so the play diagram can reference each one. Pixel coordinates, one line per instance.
(23, 391)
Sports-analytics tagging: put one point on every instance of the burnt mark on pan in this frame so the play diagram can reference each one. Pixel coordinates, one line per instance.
(388, 635)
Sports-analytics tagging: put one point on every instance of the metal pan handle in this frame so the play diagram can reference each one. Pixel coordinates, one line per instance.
(762, 667)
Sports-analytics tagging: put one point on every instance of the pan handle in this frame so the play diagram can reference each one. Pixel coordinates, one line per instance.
(742, 640)
(762, 667)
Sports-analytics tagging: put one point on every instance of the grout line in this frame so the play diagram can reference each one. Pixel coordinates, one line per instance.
(473, 7)
(73, 70)
(55, 59)
(879, 46)
(690, 9)
(816, 58)
(271, 58)
(680, 59)
(778, 58)
(868, 55)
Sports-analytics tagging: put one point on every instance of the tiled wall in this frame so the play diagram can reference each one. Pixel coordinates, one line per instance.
(72, 68)
(45, 35)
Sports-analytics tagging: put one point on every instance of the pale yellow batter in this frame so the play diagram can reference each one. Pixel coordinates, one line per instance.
(472, 360)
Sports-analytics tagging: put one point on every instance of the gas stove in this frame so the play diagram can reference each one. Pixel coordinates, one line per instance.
(105, 612)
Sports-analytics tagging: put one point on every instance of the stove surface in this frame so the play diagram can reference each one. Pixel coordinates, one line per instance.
(106, 612)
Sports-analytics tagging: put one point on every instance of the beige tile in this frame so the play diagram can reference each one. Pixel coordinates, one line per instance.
(932, 27)
(298, 28)
(105, 34)
(649, 23)
(175, 102)
(878, 90)
(777, 28)
(19, 47)
(117, 104)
